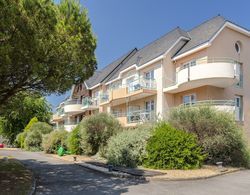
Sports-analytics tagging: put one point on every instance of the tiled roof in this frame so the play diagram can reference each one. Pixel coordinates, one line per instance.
(152, 50)
(100, 76)
(203, 33)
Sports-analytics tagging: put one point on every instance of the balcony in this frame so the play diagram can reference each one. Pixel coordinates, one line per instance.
(104, 98)
(137, 89)
(73, 106)
(218, 72)
(69, 126)
(132, 118)
(89, 103)
(56, 117)
(222, 105)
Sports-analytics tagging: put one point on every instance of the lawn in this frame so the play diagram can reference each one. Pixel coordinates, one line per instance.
(14, 177)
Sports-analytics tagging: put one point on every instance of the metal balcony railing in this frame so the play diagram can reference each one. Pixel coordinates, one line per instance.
(104, 97)
(88, 101)
(136, 116)
(207, 61)
(141, 83)
(211, 103)
(74, 101)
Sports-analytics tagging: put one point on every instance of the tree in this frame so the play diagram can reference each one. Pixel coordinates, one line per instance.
(44, 47)
(19, 111)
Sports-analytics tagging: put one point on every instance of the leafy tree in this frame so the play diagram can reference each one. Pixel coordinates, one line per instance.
(20, 109)
(44, 47)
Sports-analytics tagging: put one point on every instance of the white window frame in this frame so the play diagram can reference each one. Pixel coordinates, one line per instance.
(190, 99)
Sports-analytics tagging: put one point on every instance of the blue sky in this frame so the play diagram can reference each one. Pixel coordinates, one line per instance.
(121, 25)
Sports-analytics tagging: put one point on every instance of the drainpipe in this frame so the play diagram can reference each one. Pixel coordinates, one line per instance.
(188, 73)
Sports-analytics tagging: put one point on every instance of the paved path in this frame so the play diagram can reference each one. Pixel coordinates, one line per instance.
(55, 176)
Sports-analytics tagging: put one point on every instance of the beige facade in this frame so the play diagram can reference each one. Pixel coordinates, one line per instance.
(216, 71)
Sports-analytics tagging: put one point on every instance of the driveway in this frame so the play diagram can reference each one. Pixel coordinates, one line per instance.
(55, 176)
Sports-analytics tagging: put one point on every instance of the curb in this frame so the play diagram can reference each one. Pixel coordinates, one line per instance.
(194, 178)
(105, 171)
(126, 175)
(33, 187)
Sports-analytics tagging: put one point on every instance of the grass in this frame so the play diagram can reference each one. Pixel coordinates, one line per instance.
(14, 177)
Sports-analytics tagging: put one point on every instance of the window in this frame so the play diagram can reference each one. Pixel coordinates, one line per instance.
(189, 99)
(237, 47)
(239, 71)
(150, 75)
(188, 64)
(238, 108)
(150, 106)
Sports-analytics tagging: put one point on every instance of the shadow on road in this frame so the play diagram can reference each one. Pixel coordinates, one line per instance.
(72, 179)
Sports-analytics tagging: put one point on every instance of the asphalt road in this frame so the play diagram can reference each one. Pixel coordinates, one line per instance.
(55, 176)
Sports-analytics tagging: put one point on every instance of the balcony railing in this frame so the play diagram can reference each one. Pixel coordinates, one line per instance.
(141, 83)
(88, 101)
(136, 116)
(104, 97)
(70, 123)
(70, 102)
(222, 105)
(60, 111)
(211, 103)
(140, 116)
(218, 72)
(207, 61)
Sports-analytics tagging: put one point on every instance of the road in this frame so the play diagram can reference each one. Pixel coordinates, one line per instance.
(55, 176)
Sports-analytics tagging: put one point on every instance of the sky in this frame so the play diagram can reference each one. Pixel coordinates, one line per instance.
(121, 25)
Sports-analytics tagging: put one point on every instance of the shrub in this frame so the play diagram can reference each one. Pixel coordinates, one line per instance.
(218, 133)
(31, 122)
(73, 141)
(21, 136)
(33, 139)
(20, 139)
(95, 131)
(128, 147)
(52, 141)
(169, 148)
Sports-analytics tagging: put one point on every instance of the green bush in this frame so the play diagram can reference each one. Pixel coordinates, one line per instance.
(73, 141)
(95, 131)
(20, 139)
(33, 140)
(52, 141)
(169, 148)
(128, 147)
(29, 125)
(21, 136)
(218, 133)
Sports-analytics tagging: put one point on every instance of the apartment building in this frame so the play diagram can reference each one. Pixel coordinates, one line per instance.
(207, 64)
